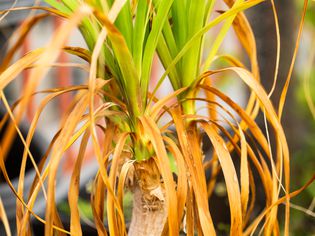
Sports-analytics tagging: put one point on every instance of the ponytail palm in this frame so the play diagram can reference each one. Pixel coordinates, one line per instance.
(164, 167)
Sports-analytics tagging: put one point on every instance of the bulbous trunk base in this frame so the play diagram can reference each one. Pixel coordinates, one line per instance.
(148, 218)
(149, 212)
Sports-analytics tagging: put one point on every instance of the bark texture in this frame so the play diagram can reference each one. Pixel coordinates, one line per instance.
(147, 220)
(149, 212)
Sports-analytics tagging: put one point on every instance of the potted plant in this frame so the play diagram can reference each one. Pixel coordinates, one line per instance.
(163, 165)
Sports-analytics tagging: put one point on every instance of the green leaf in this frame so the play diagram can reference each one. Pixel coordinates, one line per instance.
(124, 24)
(59, 6)
(179, 19)
(201, 32)
(191, 60)
(157, 25)
(141, 23)
(129, 78)
(220, 37)
(166, 59)
(71, 4)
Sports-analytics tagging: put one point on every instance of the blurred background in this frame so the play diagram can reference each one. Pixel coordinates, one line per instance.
(298, 120)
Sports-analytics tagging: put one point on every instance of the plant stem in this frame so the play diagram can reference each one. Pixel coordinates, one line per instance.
(147, 218)
(149, 212)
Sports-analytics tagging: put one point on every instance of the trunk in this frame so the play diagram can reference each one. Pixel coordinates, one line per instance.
(148, 219)
(149, 212)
